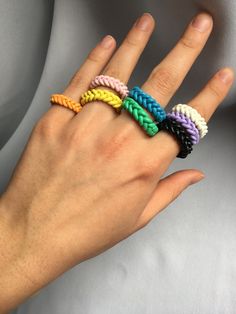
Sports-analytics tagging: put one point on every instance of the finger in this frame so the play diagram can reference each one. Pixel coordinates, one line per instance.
(168, 189)
(166, 77)
(126, 57)
(205, 102)
(95, 62)
(124, 60)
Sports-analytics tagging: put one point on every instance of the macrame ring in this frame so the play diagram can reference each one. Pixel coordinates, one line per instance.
(111, 82)
(176, 129)
(62, 100)
(195, 116)
(188, 125)
(102, 95)
(149, 103)
(141, 116)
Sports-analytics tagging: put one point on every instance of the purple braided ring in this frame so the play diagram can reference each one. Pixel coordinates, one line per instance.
(188, 124)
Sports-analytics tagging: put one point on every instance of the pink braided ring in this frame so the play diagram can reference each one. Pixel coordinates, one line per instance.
(108, 81)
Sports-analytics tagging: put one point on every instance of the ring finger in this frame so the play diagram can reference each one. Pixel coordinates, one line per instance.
(167, 76)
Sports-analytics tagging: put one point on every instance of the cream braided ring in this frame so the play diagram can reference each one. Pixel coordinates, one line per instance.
(194, 116)
(108, 81)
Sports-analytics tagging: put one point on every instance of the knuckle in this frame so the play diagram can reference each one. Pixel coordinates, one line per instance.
(110, 147)
(75, 79)
(130, 42)
(214, 89)
(94, 57)
(142, 222)
(73, 140)
(75, 137)
(114, 72)
(147, 169)
(163, 80)
(188, 42)
(46, 127)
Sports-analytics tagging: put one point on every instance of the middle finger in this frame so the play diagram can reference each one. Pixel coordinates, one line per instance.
(166, 77)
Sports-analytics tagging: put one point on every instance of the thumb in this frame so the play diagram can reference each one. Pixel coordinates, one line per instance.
(167, 190)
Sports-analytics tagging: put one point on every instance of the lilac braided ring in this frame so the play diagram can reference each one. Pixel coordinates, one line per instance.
(111, 82)
(188, 125)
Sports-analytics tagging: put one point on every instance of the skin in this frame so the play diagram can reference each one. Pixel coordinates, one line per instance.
(84, 184)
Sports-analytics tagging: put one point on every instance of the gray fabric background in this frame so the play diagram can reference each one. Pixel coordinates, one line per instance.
(184, 261)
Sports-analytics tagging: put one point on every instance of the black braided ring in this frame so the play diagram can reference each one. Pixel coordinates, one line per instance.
(178, 131)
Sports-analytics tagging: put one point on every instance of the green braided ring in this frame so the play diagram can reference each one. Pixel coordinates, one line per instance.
(140, 116)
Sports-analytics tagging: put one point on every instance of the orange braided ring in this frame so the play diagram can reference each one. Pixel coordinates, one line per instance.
(60, 99)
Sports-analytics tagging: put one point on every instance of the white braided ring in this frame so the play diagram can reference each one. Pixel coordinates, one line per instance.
(195, 116)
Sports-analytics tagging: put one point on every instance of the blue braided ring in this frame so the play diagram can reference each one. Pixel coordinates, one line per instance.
(148, 103)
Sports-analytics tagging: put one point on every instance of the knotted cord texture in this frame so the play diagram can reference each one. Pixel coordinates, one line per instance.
(175, 129)
(195, 116)
(101, 95)
(140, 116)
(148, 103)
(188, 124)
(111, 82)
(60, 99)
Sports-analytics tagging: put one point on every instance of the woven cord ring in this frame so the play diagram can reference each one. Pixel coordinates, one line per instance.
(187, 124)
(111, 82)
(195, 116)
(148, 103)
(175, 128)
(140, 116)
(102, 95)
(62, 100)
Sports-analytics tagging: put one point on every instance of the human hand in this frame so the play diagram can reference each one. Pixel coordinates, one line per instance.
(87, 181)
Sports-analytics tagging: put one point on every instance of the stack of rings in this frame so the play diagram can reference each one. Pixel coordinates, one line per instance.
(106, 96)
(136, 103)
(187, 125)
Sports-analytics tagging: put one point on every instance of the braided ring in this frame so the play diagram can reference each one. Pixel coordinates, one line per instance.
(195, 116)
(140, 116)
(188, 124)
(176, 129)
(148, 103)
(102, 95)
(108, 81)
(60, 99)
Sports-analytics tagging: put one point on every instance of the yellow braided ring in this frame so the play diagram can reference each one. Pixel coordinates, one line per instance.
(102, 95)
(60, 99)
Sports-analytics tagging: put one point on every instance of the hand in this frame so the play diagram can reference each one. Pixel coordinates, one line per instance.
(87, 181)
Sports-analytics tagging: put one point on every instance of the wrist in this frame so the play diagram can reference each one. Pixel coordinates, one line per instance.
(15, 286)
(29, 260)
(11, 234)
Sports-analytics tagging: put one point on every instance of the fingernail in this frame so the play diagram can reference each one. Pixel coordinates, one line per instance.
(107, 41)
(226, 76)
(144, 22)
(202, 22)
(197, 179)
